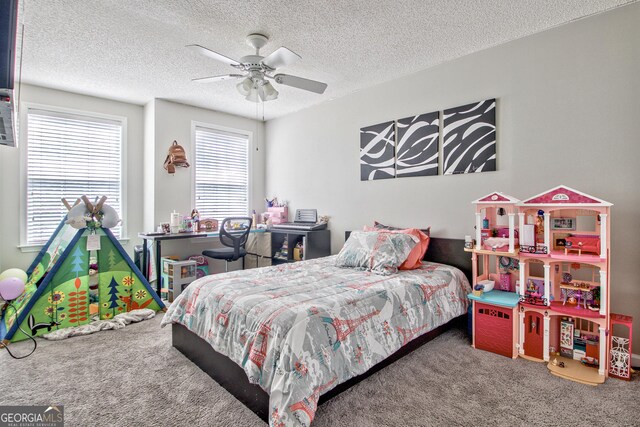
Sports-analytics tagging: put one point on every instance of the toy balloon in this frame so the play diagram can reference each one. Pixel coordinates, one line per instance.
(14, 272)
(110, 217)
(11, 288)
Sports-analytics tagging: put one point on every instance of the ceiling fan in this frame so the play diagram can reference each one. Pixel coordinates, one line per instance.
(258, 70)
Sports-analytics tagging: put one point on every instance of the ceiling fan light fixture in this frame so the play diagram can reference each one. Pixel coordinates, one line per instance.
(245, 86)
(268, 92)
(253, 96)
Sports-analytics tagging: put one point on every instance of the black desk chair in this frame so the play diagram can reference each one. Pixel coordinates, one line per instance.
(234, 240)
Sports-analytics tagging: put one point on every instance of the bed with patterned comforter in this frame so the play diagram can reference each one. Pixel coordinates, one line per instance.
(300, 329)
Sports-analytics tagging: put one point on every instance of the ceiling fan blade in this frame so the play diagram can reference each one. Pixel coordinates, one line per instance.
(217, 78)
(214, 55)
(281, 57)
(300, 83)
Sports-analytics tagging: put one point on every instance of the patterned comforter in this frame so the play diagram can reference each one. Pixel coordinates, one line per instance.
(300, 329)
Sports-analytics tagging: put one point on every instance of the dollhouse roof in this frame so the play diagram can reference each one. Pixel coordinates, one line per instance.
(495, 198)
(563, 195)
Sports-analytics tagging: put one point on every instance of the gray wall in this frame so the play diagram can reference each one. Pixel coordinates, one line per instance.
(568, 105)
(173, 121)
(166, 121)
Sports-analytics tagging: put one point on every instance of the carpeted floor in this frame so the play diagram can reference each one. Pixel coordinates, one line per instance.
(133, 377)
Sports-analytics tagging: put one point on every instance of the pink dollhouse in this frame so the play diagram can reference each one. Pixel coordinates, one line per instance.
(562, 257)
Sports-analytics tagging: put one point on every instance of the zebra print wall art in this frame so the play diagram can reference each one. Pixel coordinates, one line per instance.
(377, 151)
(417, 149)
(469, 138)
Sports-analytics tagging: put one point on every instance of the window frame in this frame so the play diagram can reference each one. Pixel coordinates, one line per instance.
(26, 107)
(250, 147)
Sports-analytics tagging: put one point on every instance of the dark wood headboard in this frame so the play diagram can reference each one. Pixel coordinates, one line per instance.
(445, 251)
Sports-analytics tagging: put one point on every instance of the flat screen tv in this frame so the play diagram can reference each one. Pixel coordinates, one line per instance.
(8, 25)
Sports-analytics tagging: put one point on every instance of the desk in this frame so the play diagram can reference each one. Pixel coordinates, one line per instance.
(158, 238)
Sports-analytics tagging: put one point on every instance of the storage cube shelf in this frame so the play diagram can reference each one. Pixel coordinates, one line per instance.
(552, 251)
(176, 276)
(278, 246)
(310, 244)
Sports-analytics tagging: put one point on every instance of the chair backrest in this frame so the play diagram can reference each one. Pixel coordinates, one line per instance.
(235, 238)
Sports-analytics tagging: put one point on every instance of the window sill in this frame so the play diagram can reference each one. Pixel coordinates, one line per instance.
(37, 248)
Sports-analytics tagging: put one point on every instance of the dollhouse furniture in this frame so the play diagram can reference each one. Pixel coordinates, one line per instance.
(566, 337)
(620, 365)
(581, 293)
(582, 243)
(563, 256)
(494, 322)
(498, 240)
(505, 282)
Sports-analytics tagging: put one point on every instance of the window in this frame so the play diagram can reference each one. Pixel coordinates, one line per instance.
(221, 173)
(69, 155)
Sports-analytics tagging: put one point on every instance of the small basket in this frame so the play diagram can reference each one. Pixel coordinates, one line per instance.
(477, 293)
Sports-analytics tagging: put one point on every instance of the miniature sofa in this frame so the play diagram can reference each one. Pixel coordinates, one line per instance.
(586, 243)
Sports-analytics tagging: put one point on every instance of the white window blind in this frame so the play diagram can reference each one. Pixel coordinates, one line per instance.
(221, 173)
(69, 155)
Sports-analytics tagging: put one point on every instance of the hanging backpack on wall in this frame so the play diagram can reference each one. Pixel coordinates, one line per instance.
(176, 158)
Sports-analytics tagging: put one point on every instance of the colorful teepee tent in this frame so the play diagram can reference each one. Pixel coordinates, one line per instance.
(65, 289)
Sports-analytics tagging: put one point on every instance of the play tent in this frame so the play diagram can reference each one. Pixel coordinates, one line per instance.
(61, 292)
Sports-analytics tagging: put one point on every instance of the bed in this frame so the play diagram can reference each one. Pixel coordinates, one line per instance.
(283, 339)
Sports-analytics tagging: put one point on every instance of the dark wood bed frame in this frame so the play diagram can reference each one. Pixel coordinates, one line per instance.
(233, 378)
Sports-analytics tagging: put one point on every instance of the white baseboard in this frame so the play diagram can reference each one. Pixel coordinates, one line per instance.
(635, 359)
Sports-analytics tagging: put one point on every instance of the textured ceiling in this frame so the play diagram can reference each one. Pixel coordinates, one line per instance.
(134, 50)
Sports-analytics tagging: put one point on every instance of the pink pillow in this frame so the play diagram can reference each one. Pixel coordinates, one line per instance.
(414, 260)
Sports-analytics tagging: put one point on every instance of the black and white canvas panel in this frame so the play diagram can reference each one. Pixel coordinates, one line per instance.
(469, 138)
(377, 152)
(417, 148)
